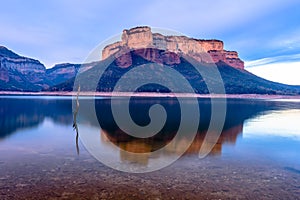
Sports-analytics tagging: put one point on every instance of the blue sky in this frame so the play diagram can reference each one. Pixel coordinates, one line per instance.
(265, 33)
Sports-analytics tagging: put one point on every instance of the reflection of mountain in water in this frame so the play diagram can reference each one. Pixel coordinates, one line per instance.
(238, 111)
(18, 113)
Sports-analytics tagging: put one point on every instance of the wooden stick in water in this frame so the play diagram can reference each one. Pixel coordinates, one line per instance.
(74, 120)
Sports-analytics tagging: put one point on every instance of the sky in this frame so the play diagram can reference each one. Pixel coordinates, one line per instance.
(265, 33)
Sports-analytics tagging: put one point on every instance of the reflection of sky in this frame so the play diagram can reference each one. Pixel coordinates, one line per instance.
(279, 123)
(46, 137)
(272, 138)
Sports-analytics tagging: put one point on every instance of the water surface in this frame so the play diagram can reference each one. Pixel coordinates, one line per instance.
(256, 156)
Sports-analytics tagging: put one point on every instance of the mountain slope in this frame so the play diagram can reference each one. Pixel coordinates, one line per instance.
(244, 82)
(236, 81)
(63, 72)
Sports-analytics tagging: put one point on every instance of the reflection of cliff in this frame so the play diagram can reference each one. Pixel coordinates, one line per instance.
(146, 146)
(237, 112)
(19, 113)
(227, 136)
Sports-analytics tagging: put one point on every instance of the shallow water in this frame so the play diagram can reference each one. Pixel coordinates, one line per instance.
(256, 155)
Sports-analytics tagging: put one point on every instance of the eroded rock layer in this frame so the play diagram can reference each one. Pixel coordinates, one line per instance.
(142, 38)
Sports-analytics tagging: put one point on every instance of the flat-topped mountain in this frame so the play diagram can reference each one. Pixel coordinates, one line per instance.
(236, 81)
(139, 46)
(207, 51)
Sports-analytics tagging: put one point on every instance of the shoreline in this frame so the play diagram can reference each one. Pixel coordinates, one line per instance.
(149, 94)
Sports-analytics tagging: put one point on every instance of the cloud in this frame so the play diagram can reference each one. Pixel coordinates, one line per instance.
(288, 40)
(282, 69)
(273, 60)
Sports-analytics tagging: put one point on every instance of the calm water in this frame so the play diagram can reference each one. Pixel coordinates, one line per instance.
(256, 156)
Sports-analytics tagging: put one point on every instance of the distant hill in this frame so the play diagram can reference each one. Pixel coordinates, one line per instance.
(18, 73)
(63, 72)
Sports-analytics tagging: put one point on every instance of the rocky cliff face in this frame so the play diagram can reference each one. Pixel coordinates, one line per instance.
(26, 66)
(142, 38)
(12, 61)
(19, 72)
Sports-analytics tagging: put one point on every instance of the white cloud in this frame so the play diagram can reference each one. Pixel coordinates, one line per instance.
(277, 59)
(282, 69)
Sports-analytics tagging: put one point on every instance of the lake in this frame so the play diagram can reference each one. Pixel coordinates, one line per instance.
(254, 156)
